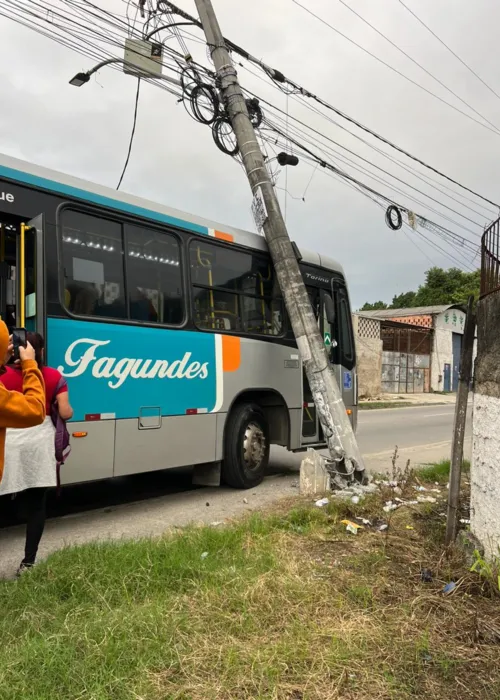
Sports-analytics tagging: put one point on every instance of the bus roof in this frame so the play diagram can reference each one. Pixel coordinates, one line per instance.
(44, 178)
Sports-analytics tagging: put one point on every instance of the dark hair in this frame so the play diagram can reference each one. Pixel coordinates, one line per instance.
(38, 344)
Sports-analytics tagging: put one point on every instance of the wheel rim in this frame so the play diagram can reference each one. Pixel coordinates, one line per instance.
(254, 446)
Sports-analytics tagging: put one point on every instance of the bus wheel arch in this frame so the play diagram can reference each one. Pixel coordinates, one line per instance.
(256, 419)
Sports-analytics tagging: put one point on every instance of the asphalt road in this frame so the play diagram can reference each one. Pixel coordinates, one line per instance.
(421, 433)
(380, 430)
(148, 504)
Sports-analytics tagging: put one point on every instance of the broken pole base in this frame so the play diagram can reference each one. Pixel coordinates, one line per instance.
(314, 476)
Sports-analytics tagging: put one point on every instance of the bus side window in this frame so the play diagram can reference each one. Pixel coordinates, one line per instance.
(234, 290)
(93, 265)
(154, 280)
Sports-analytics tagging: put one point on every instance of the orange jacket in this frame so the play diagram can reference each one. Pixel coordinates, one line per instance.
(20, 410)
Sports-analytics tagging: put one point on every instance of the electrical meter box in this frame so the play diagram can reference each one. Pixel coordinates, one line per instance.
(143, 58)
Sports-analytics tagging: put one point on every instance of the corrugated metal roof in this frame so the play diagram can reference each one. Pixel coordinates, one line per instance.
(415, 311)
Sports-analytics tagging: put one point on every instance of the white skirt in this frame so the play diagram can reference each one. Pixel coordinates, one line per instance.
(30, 459)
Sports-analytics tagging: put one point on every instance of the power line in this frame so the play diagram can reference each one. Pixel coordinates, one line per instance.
(131, 141)
(471, 70)
(399, 163)
(315, 142)
(434, 246)
(426, 179)
(407, 55)
(80, 32)
(455, 243)
(278, 77)
(123, 28)
(419, 248)
(386, 172)
(464, 241)
(371, 190)
(494, 130)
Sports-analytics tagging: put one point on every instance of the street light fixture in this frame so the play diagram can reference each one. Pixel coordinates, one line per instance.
(81, 78)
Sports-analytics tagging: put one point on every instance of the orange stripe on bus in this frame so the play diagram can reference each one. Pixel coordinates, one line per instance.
(231, 353)
(224, 236)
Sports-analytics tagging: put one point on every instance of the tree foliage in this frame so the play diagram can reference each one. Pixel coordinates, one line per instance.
(376, 306)
(451, 286)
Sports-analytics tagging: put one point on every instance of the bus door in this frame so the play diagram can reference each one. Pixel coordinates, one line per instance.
(323, 307)
(29, 302)
(343, 354)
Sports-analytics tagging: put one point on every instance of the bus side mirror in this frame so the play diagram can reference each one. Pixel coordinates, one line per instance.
(329, 309)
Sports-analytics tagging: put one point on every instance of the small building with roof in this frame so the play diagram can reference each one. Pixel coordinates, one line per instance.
(403, 351)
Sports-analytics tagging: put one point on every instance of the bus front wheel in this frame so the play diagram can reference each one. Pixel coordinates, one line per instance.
(246, 448)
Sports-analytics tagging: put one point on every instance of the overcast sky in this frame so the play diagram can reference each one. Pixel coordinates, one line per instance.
(85, 131)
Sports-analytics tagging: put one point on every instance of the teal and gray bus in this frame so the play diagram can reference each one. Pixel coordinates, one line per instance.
(170, 329)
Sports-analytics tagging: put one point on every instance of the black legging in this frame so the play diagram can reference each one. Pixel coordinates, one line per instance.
(33, 508)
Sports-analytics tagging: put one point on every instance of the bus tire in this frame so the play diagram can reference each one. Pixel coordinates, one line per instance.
(246, 447)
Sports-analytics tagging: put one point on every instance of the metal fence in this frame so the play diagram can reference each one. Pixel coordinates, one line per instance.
(490, 259)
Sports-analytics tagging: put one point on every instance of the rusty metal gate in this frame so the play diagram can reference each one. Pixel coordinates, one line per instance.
(406, 358)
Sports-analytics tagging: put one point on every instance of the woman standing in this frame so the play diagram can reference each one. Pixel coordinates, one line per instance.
(30, 462)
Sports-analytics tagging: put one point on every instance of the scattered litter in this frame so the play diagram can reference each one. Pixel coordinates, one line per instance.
(410, 527)
(207, 503)
(365, 521)
(350, 522)
(436, 490)
(322, 502)
(383, 527)
(426, 656)
(204, 555)
(426, 575)
(449, 588)
(420, 488)
(398, 491)
(216, 523)
(465, 521)
(390, 506)
(351, 527)
(426, 499)
(355, 499)
(245, 500)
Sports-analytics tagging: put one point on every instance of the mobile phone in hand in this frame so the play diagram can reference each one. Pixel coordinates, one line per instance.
(18, 340)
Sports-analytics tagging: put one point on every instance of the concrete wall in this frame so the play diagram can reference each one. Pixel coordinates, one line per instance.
(485, 468)
(445, 324)
(442, 353)
(368, 355)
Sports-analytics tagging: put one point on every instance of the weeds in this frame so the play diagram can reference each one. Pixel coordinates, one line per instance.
(439, 473)
(488, 570)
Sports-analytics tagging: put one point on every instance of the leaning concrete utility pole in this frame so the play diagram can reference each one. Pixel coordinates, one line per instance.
(345, 455)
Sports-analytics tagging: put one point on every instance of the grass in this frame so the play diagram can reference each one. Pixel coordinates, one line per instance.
(440, 472)
(281, 606)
